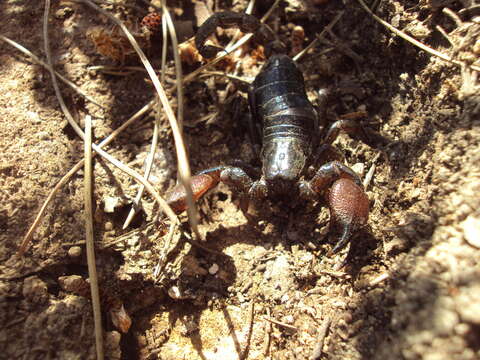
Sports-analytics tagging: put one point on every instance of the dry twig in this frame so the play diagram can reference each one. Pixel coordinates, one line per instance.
(92, 269)
(371, 171)
(267, 338)
(282, 324)
(250, 328)
(320, 341)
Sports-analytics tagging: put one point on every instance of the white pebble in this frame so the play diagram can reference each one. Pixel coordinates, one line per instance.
(110, 204)
(213, 269)
(75, 251)
(471, 231)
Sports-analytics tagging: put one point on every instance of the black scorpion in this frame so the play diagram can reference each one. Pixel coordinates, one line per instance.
(278, 102)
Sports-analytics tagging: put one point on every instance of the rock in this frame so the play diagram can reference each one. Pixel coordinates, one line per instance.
(64, 13)
(278, 278)
(72, 283)
(359, 168)
(471, 231)
(445, 321)
(467, 304)
(213, 269)
(43, 135)
(111, 203)
(112, 345)
(35, 290)
(175, 293)
(108, 226)
(34, 117)
(75, 251)
(396, 246)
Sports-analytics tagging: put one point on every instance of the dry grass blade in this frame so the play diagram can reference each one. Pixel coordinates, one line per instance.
(183, 166)
(164, 48)
(415, 41)
(27, 238)
(179, 76)
(453, 16)
(229, 76)
(178, 64)
(269, 12)
(282, 324)
(328, 28)
(250, 7)
(148, 169)
(191, 209)
(371, 171)
(37, 60)
(92, 269)
(165, 207)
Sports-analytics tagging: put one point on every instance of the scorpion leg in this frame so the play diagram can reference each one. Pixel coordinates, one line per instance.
(207, 180)
(324, 154)
(351, 127)
(348, 203)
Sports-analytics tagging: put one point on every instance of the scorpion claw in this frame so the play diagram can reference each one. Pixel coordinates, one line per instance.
(177, 197)
(349, 209)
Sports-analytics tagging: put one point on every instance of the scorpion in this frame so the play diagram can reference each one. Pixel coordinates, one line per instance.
(278, 103)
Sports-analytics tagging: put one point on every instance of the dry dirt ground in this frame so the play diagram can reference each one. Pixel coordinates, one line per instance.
(410, 288)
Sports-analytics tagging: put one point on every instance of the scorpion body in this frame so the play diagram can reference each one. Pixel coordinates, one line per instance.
(279, 102)
(289, 123)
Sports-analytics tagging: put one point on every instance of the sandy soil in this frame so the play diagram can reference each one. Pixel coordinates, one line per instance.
(410, 286)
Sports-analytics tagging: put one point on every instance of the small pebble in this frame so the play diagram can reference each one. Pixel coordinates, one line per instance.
(35, 290)
(359, 168)
(111, 203)
(476, 47)
(240, 297)
(213, 269)
(34, 117)
(108, 226)
(43, 135)
(174, 293)
(75, 251)
(63, 13)
(71, 283)
(471, 231)
(395, 246)
(445, 321)
(462, 329)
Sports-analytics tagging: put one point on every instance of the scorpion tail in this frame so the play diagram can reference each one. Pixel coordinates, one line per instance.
(245, 22)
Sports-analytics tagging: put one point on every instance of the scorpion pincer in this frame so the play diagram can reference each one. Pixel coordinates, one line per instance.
(289, 122)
